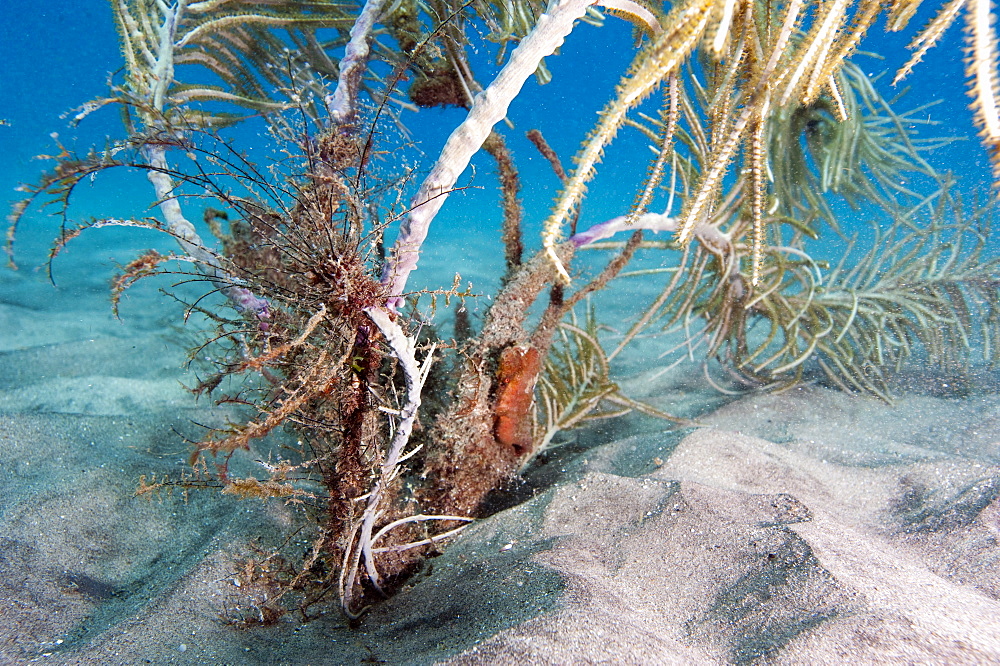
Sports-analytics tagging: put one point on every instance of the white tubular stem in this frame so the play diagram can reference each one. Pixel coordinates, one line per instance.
(182, 229)
(343, 103)
(488, 108)
(404, 349)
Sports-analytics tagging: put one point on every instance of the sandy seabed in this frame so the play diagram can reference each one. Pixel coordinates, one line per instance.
(807, 527)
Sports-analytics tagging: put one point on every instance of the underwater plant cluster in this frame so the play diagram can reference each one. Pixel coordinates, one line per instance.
(386, 434)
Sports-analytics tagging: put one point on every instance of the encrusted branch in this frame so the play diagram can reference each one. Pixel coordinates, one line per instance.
(510, 187)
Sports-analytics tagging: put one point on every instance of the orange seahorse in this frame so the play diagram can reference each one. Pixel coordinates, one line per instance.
(517, 375)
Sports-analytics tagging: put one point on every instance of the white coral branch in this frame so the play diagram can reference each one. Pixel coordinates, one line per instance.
(489, 107)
